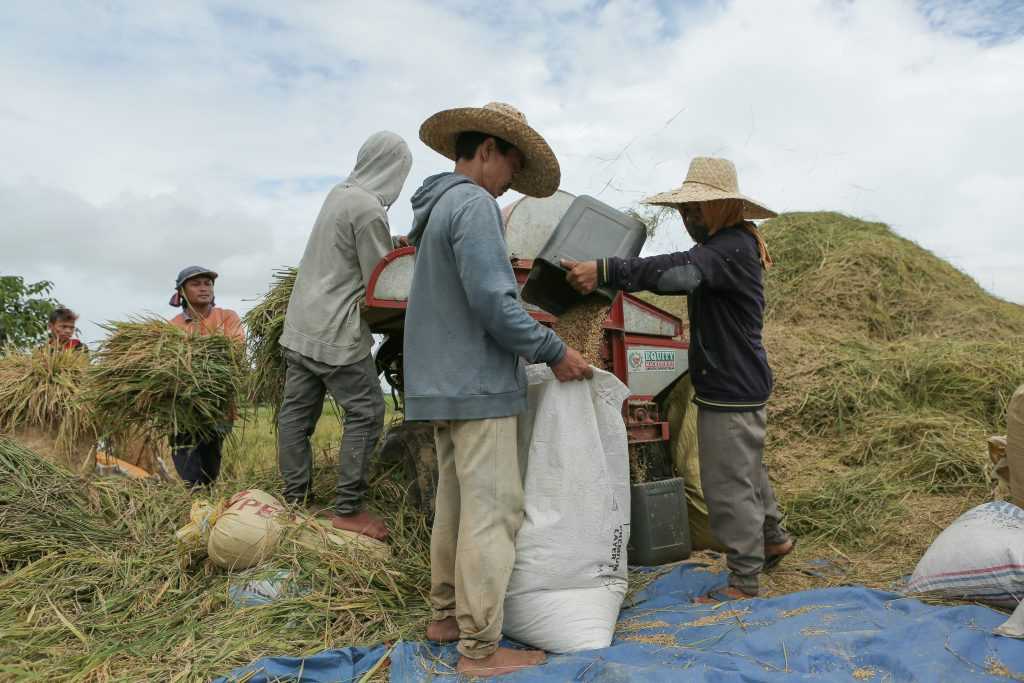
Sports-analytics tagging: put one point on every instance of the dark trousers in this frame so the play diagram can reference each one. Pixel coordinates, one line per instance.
(356, 389)
(197, 460)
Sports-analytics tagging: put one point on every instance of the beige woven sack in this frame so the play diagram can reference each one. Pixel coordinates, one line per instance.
(1015, 446)
(247, 531)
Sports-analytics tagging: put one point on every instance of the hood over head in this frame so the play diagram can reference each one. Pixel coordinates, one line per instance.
(382, 165)
(426, 197)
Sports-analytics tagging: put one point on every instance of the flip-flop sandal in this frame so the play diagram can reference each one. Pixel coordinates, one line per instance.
(772, 561)
(719, 596)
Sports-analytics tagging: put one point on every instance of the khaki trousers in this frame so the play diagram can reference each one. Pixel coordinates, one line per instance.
(1015, 446)
(478, 511)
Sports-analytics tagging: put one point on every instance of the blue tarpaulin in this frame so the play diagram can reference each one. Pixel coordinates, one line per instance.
(836, 634)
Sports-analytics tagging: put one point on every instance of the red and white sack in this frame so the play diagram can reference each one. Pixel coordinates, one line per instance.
(247, 531)
(980, 556)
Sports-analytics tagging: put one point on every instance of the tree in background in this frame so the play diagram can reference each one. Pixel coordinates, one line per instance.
(24, 311)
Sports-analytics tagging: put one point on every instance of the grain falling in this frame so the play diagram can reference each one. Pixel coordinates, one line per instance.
(582, 328)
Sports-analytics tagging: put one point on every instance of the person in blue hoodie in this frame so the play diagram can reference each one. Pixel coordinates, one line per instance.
(466, 335)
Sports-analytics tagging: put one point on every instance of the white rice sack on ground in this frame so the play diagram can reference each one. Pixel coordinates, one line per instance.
(570, 574)
(980, 556)
(247, 531)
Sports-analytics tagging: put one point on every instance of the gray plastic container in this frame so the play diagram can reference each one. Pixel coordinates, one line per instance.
(589, 230)
(659, 528)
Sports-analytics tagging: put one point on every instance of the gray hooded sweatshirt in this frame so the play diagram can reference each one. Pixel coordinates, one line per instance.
(465, 328)
(349, 238)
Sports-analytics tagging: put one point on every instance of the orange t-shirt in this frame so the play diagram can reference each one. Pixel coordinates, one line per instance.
(220, 321)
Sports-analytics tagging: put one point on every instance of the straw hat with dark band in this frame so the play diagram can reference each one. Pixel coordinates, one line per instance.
(709, 179)
(540, 175)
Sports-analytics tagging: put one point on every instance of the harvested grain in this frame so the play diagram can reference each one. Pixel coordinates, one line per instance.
(663, 639)
(799, 611)
(634, 625)
(718, 617)
(582, 328)
(993, 667)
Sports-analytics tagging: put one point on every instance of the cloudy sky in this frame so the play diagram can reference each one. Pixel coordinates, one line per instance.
(139, 137)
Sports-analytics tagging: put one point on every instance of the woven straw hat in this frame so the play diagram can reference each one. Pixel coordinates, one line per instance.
(540, 175)
(709, 179)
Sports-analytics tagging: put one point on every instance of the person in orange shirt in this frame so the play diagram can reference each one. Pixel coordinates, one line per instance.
(196, 459)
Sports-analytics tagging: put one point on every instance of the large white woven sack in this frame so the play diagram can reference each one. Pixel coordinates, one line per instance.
(980, 556)
(247, 531)
(569, 577)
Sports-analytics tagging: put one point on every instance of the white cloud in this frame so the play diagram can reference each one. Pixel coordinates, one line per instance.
(140, 139)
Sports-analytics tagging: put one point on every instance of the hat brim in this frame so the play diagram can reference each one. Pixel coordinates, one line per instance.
(206, 273)
(698, 192)
(541, 174)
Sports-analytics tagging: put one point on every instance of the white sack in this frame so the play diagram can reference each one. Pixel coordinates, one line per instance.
(570, 574)
(980, 556)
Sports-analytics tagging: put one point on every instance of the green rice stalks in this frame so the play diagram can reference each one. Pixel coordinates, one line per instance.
(264, 324)
(155, 378)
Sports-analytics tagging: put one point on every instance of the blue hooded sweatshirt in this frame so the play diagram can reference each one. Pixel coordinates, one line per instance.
(466, 330)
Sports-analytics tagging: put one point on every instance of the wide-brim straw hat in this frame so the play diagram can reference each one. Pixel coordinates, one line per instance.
(709, 179)
(540, 175)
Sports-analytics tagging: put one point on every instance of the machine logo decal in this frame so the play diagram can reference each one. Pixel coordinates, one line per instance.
(652, 360)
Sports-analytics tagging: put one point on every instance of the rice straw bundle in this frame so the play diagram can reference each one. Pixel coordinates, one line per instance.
(40, 391)
(151, 376)
(264, 323)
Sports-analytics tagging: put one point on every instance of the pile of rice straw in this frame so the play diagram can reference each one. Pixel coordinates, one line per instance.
(152, 377)
(94, 587)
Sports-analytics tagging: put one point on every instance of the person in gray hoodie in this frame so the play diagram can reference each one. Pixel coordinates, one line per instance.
(466, 333)
(327, 343)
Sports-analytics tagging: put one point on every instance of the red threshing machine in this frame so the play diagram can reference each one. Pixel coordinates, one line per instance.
(642, 345)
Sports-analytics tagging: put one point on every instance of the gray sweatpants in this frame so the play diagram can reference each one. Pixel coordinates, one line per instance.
(741, 504)
(356, 389)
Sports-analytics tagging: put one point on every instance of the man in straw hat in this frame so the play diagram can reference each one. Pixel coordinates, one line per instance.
(465, 332)
(326, 343)
(722, 276)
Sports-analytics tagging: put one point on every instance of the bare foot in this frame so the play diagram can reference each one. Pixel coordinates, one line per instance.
(774, 552)
(722, 595)
(444, 631)
(779, 548)
(365, 523)
(503, 661)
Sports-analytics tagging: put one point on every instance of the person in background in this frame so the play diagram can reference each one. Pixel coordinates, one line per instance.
(62, 331)
(327, 344)
(466, 335)
(196, 459)
(722, 277)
